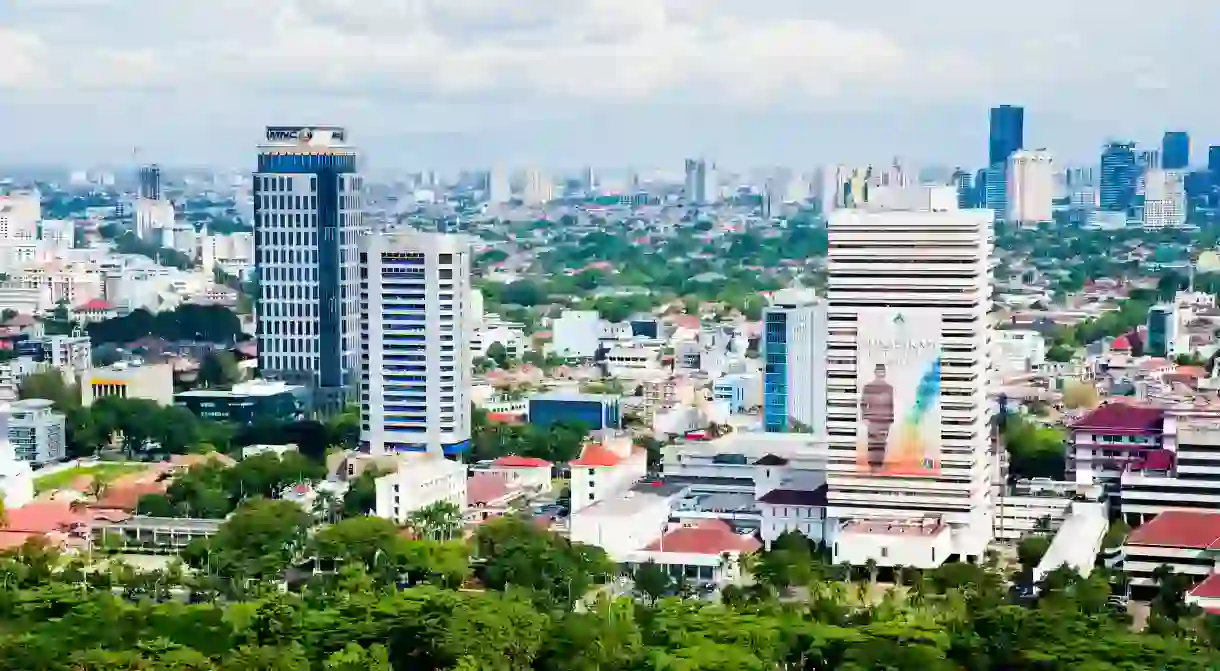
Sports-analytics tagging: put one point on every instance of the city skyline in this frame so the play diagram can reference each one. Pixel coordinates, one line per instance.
(470, 83)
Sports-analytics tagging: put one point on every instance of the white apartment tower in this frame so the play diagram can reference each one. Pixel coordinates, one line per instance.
(1164, 200)
(907, 364)
(307, 220)
(1031, 187)
(702, 183)
(415, 343)
(539, 189)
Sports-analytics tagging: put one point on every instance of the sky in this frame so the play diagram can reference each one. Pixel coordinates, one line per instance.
(467, 83)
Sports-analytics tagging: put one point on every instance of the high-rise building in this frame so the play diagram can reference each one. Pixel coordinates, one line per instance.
(908, 418)
(150, 182)
(1007, 133)
(963, 182)
(1119, 176)
(307, 218)
(1031, 186)
(1175, 150)
(415, 346)
(539, 189)
(702, 183)
(995, 189)
(499, 188)
(1213, 160)
(1164, 203)
(794, 352)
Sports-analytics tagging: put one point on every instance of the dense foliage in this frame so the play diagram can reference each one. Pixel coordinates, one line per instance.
(149, 430)
(190, 322)
(374, 599)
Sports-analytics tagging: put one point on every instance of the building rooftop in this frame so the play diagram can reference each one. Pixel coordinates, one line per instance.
(1179, 529)
(596, 455)
(483, 489)
(795, 497)
(96, 304)
(709, 537)
(1209, 588)
(514, 461)
(771, 460)
(1123, 419)
(927, 527)
(573, 396)
(251, 388)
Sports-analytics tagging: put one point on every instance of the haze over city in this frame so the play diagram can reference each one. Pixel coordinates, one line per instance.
(456, 83)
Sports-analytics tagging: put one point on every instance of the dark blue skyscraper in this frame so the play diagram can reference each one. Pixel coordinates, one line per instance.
(1007, 133)
(1119, 174)
(150, 182)
(307, 216)
(1175, 150)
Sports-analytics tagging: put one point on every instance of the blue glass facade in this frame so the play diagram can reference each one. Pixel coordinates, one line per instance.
(1007, 133)
(595, 414)
(333, 225)
(1175, 150)
(775, 373)
(1119, 175)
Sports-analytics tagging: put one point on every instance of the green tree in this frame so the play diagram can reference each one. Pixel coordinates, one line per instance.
(652, 581)
(218, 369)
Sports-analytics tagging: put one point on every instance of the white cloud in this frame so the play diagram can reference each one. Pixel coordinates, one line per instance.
(583, 49)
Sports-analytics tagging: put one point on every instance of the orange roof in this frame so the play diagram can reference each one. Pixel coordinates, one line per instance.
(127, 497)
(1121, 343)
(711, 537)
(514, 461)
(504, 418)
(597, 455)
(95, 304)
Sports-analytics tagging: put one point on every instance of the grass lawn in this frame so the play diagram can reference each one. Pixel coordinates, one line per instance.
(66, 477)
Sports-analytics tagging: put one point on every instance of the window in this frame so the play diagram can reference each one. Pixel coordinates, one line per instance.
(885, 552)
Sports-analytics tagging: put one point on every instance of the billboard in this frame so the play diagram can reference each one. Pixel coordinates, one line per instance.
(898, 382)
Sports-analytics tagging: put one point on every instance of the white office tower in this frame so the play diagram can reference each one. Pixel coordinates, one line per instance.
(499, 188)
(1164, 200)
(20, 212)
(539, 189)
(907, 364)
(794, 352)
(415, 346)
(16, 475)
(307, 220)
(702, 183)
(1031, 187)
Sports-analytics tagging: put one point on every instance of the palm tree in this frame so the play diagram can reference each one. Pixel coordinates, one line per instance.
(439, 521)
(871, 567)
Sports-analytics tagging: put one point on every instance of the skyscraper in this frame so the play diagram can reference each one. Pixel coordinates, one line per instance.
(1119, 175)
(307, 218)
(499, 187)
(908, 294)
(1031, 186)
(1007, 133)
(963, 182)
(539, 188)
(1175, 150)
(794, 352)
(415, 347)
(150, 182)
(702, 184)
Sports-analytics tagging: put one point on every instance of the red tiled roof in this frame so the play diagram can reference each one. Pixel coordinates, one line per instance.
(483, 489)
(687, 322)
(95, 304)
(1121, 418)
(1121, 343)
(127, 497)
(597, 455)
(1192, 371)
(1179, 529)
(514, 461)
(711, 537)
(504, 418)
(1209, 588)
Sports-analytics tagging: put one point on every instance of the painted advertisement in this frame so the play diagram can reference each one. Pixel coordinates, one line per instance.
(898, 381)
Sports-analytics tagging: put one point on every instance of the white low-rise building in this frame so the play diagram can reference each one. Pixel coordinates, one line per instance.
(628, 521)
(525, 473)
(421, 480)
(605, 470)
(925, 543)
